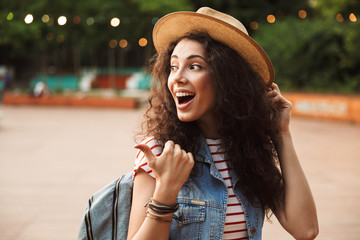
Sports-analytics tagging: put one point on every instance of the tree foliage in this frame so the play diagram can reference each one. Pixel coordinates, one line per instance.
(312, 54)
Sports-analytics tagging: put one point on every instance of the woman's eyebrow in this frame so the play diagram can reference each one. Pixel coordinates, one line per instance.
(190, 57)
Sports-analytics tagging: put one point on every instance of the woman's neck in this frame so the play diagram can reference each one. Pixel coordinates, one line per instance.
(210, 131)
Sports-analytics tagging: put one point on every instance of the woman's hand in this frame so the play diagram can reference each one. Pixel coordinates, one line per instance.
(171, 169)
(297, 211)
(283, 105)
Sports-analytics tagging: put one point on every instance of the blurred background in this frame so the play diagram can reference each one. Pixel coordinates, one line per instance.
(313, 44)
(74, 84)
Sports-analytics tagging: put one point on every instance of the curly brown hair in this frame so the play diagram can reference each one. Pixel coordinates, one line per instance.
(247, 121)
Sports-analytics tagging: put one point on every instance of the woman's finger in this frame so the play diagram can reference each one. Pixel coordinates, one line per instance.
(147, 151)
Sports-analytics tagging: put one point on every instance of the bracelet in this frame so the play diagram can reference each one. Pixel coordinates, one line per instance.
(158, 219)
(161, 208)
(153, 213)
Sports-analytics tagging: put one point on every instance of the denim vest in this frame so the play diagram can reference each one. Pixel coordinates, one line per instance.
(203, 201)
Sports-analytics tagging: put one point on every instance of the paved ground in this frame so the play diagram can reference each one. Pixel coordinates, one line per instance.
(53, 159)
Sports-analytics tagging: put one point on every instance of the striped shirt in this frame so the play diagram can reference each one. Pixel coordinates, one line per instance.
(235, 225)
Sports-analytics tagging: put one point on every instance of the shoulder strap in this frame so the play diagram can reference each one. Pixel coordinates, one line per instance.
(108, 211)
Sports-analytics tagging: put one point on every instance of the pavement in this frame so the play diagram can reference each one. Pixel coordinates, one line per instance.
(53, 158)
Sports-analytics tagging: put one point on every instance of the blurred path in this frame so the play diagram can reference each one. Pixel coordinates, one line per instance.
(53, 159)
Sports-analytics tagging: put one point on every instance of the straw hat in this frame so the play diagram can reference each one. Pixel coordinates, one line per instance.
(221, 27)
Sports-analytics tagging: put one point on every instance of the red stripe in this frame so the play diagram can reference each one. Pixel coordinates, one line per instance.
(145, 156)
(149, 171)
(229, 187)
(142, 165)
(233, 223)
(155, 146)
(236, 213)
(149, 140)
(227, 178)
(137, 155)
(215, 153)
(214, 144)
(232, 196)
(144, 143)
(221, 161)
(224, 169)
(234, 204)
(235, 231)
(244, 238)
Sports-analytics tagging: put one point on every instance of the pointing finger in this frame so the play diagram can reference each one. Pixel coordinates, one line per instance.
(146, 150)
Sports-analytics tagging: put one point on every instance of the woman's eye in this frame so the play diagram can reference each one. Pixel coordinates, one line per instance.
(173, 68)
(195, 67)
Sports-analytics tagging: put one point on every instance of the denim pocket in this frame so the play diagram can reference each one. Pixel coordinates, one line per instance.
(187, 222)
(189, 213)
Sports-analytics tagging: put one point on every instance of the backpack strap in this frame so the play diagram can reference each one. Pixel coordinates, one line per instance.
(115, 208)
(108, 211)
(88, 221)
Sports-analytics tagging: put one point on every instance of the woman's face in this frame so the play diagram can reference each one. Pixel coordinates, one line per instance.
(190, 84)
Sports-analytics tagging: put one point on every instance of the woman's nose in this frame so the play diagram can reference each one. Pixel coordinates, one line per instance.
(180, 77)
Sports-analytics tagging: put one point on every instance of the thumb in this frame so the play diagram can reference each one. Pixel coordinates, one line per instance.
(146, 150)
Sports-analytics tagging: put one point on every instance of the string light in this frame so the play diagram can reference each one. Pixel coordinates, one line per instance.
(115, 22)
(76, 20)
(90, 21)
(339, 17)
(352, 17)
(142, 42)
(29, 19)
(302, 14)
(123, 43)
(270, 18)
(112, 43)
(254, 25)
(45, 18)
(62, 20)
(10, 16)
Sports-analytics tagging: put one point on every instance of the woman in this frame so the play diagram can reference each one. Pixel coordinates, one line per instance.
(210, 169)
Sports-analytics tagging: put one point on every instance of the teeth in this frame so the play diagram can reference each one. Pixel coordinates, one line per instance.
(183, 94)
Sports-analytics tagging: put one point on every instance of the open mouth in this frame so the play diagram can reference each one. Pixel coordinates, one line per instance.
(184, 97)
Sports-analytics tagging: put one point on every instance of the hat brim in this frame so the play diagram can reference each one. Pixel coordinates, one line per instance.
(175, 25)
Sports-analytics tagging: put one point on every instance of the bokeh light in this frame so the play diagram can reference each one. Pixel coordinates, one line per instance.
(29, 19)
(62, 20)
(76, 20)
(60, 38)
(254, 25)
(10, 16)
(270, 18)
(115, 22)
(142, 42)
(112, 43)
(352, 17)
(302, 14)
(339, 17)
(45, 18)
(49, 36)
(90, 21)
(123, 43)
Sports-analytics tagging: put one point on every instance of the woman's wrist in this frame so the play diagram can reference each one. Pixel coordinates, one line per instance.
(164, 194)
(282, 136)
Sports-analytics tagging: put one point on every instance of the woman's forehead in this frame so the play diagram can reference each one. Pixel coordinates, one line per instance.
(188, 47)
